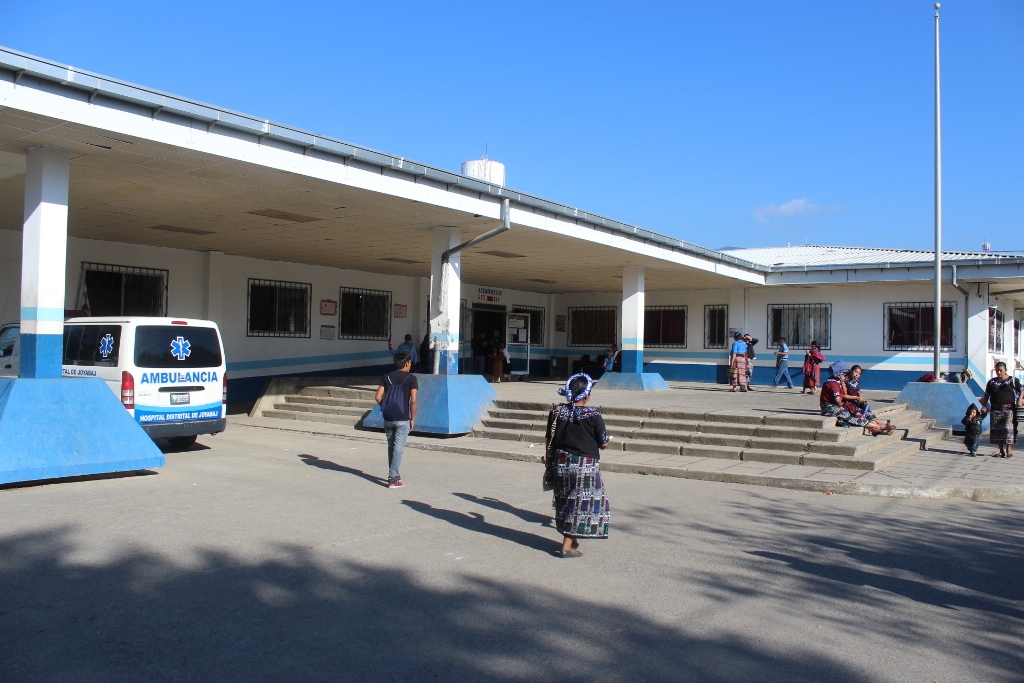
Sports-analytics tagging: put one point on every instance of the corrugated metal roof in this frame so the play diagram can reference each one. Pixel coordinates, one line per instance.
(846, 257)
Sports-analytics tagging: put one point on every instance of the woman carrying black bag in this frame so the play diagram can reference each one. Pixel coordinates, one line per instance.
(575, 436)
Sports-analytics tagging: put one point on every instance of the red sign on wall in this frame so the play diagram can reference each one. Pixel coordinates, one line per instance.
(328, 307)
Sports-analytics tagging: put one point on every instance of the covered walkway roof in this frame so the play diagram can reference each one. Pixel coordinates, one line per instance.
(155, 169)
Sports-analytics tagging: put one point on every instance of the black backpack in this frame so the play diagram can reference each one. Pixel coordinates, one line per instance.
(393, 406)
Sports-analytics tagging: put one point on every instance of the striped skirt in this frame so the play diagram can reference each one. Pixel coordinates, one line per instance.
(581, 506)
(738, 371)
(1001, 429)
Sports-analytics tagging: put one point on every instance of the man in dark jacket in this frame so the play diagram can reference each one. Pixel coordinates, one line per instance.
(751, 355)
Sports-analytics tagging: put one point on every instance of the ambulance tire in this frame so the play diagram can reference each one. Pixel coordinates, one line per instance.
(181, 443)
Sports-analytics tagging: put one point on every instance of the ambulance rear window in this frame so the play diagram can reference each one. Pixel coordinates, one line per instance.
(93, 345)
(176, 346)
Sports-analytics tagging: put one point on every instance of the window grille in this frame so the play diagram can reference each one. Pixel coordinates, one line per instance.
(278, 309)
(800, 324)
(592, 326)
(665, 326)
(364, 314)
(996, 324)
(123, 290)
(910, 326)
(716, 326)
(536, 323)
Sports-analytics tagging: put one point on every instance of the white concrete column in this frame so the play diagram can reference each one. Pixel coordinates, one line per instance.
(445, 289)
(43, 261)
(632, 319)
(213, 291)
(978, 361)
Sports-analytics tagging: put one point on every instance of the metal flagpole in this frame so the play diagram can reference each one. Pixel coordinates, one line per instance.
(938, 204)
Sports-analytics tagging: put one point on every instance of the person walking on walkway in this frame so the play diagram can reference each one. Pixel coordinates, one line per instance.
(575, 436)
(396, 396)
(782, 365)
(738, 363)
(812, 368)
(1002, 395)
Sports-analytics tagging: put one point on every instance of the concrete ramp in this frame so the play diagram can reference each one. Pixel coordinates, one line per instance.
(54, 428)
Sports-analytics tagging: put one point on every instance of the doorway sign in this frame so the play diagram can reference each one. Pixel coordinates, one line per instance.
(488, 295)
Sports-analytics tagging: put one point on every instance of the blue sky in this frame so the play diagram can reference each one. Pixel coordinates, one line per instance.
(722, 123)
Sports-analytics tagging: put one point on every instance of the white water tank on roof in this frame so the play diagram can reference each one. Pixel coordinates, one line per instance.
(485, 169)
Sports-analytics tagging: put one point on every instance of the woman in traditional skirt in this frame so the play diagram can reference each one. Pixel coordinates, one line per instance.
(576, 434)
(738, 363)
(831, 404)
(812, 367)
(1002, 394)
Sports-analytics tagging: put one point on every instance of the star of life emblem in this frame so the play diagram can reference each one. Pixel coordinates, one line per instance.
(181, 348)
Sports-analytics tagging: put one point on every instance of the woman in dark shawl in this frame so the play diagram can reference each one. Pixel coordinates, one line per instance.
(575, 436)
(1002, 394)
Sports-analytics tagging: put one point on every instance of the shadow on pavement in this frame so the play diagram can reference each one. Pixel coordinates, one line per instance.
(527, 516)
(474, 521)
(297, 616)
(314, 461)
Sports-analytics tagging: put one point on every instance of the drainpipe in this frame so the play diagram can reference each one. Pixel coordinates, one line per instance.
(505, 226)
(967, 301)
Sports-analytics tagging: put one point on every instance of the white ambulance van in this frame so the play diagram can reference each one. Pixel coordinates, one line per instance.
(168, 372)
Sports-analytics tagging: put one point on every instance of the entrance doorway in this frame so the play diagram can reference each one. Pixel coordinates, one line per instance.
(487, 320)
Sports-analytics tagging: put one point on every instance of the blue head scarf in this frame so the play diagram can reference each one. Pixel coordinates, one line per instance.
(567, 392)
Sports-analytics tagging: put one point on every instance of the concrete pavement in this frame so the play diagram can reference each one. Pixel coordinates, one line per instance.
(268, 555)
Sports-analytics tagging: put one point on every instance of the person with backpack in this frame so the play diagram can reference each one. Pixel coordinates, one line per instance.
(396, 396)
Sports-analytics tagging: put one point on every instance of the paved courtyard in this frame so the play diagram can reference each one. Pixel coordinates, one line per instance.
(268, 555)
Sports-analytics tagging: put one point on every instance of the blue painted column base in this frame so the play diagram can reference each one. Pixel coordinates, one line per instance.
(633, 381)
(446, 404)
(54, 428)
(944, 402)
(448, 363)
(41, 355)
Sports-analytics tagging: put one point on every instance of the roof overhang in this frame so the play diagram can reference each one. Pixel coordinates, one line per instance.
(150, 168)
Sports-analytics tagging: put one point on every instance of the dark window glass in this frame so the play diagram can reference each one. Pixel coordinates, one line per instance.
(94, 345)
(176, 346)
(996, 323)
(665, 326)
(800, 324)
(716, 326)
(911, 326)
(8, 336)
(279, 309)
(364, 314)
(124, 290)
(592, 326)
(536, 323)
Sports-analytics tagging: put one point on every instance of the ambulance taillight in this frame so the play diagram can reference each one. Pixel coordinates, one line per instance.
(224, 393)
(128, 390)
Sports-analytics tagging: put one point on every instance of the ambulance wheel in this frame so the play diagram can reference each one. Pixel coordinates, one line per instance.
(181, 443)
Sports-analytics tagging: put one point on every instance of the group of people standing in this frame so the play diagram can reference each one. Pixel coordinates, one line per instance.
(491, 357)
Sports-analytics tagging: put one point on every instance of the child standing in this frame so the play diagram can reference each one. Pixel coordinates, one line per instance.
(972, 422)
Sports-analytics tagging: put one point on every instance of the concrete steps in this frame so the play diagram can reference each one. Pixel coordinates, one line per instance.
(342, 406)
(798, 439)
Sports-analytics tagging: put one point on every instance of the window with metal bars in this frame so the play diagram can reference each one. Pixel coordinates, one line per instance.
(716, 326)
(996, 325)
(592, 326)
(800, 324)
(123, 290)
(278, 309)
(911, 326)
(364, 314)
(665, 326)
(536, 323)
